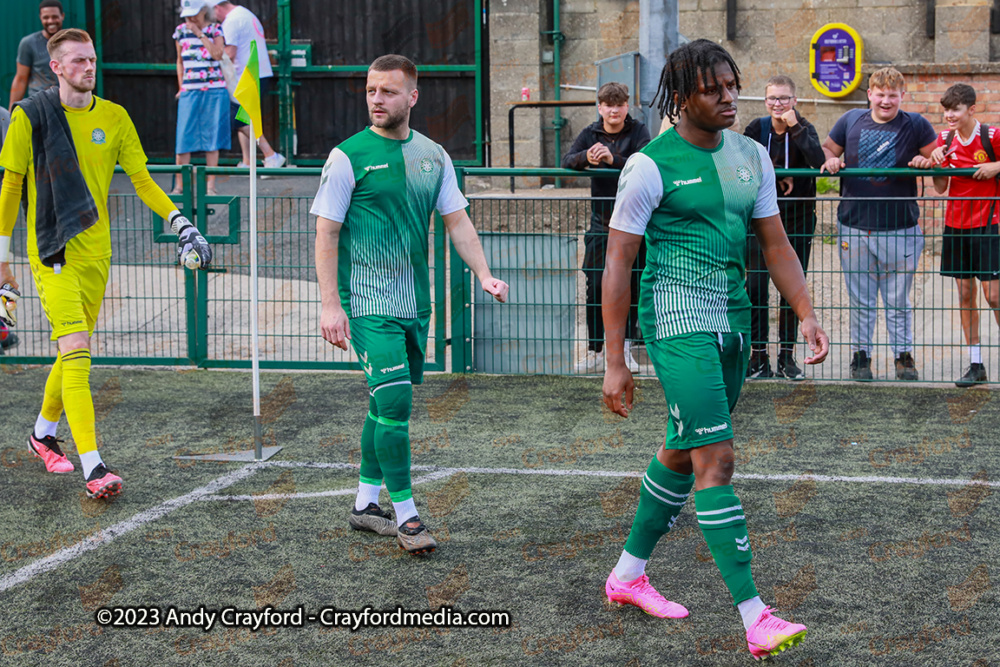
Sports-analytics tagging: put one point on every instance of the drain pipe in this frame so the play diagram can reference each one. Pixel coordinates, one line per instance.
(557, 39)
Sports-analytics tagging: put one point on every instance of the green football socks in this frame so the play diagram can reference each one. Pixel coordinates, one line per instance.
(392, 444)
(370, 469)
(720, 516)
(661, 499)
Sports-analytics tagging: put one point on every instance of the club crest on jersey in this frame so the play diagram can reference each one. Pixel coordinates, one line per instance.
(426, 166)
(744, 174)
(98, 136)
(980, 156)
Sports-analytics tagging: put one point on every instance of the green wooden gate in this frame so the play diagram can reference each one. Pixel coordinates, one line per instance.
(320, 51)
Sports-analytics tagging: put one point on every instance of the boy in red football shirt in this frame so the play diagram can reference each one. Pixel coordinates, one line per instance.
(971, 245)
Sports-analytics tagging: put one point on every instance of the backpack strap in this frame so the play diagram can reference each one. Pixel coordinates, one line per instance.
(984, 138)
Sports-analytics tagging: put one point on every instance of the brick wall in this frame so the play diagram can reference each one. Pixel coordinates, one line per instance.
(924, 90)
(772, 38)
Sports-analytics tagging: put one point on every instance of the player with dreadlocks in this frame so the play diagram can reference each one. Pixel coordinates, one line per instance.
(694, 193)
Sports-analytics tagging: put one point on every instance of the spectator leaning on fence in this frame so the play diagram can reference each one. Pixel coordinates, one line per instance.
(606, 144)
(240, 27)
(202, 98)
(880, 240)
(373, 208)
(33, 72)
(65, 142)
(694, 193)
(970, 248)
(791, 142)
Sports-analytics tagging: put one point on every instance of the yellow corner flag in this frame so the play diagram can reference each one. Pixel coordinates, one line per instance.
(248, 93)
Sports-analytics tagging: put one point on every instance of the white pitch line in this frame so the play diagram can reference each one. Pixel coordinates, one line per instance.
(321, 494)
(108, 534)
(930, 481)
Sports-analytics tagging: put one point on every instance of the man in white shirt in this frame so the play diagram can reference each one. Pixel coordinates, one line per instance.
(239, 27)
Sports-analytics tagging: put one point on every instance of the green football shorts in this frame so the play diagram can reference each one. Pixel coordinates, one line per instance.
(390, 349)
(702, 375)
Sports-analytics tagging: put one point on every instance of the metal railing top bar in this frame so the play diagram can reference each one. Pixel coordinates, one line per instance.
(552, 172)
(607, 173)
(262, 171)
(541, 171)
(153, 168)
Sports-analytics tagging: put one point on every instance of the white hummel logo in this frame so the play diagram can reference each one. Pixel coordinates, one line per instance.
(364, 363)
(377, 166)
(688, 182)
(712, 429)
(743, 544)
(394, 368)
(675, 412)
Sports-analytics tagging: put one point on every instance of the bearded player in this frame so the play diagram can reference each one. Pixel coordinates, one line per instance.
(373, 209)
(694, 193)
(66, 142)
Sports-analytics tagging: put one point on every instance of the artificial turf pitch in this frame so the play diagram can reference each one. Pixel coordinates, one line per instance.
(882, 572)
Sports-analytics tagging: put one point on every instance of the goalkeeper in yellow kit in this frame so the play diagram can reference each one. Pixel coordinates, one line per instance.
(65, 143)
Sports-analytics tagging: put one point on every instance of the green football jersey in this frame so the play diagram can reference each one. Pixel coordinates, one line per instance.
(694, 207)
(384, 191)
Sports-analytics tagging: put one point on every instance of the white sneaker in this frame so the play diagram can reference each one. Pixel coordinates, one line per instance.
(592, 363)
(632, 364)
(274, 161)
(242, 165)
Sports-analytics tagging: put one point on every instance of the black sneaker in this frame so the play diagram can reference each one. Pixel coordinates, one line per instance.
(905, 368)
(760, 366)
(787, 368)
(372, 518)
(975, 375)
(861, 366)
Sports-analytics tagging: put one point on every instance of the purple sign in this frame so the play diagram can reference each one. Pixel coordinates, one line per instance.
(835, 63)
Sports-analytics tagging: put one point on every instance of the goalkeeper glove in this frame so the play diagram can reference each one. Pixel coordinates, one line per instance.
(193, 250)
(8, 303)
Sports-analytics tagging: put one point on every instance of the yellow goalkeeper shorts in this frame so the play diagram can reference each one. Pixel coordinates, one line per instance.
(72, 297)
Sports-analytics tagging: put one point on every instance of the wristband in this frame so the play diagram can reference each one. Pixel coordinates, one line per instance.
(175, 226)
(4, 249)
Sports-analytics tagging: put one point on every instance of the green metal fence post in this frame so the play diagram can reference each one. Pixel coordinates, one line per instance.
(461, 304)
(99, 47)
(196, 282)
(480, 21)
(286, 109)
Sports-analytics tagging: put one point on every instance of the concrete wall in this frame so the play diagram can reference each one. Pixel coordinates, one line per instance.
(772, 38)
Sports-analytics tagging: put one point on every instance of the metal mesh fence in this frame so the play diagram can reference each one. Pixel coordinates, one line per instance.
(882, 292)
(156, 313)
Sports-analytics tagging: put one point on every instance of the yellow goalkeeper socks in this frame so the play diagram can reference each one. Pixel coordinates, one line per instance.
(77, 401)
(52, 405)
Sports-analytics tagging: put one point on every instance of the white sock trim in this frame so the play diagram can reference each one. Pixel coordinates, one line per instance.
(629, 568)
(89, 461)
(367, 493)
(750, 610)
(976, 354)
(44, 427)
(405, 511)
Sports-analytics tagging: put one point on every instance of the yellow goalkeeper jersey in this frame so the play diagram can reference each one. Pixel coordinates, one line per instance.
(104, 136)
